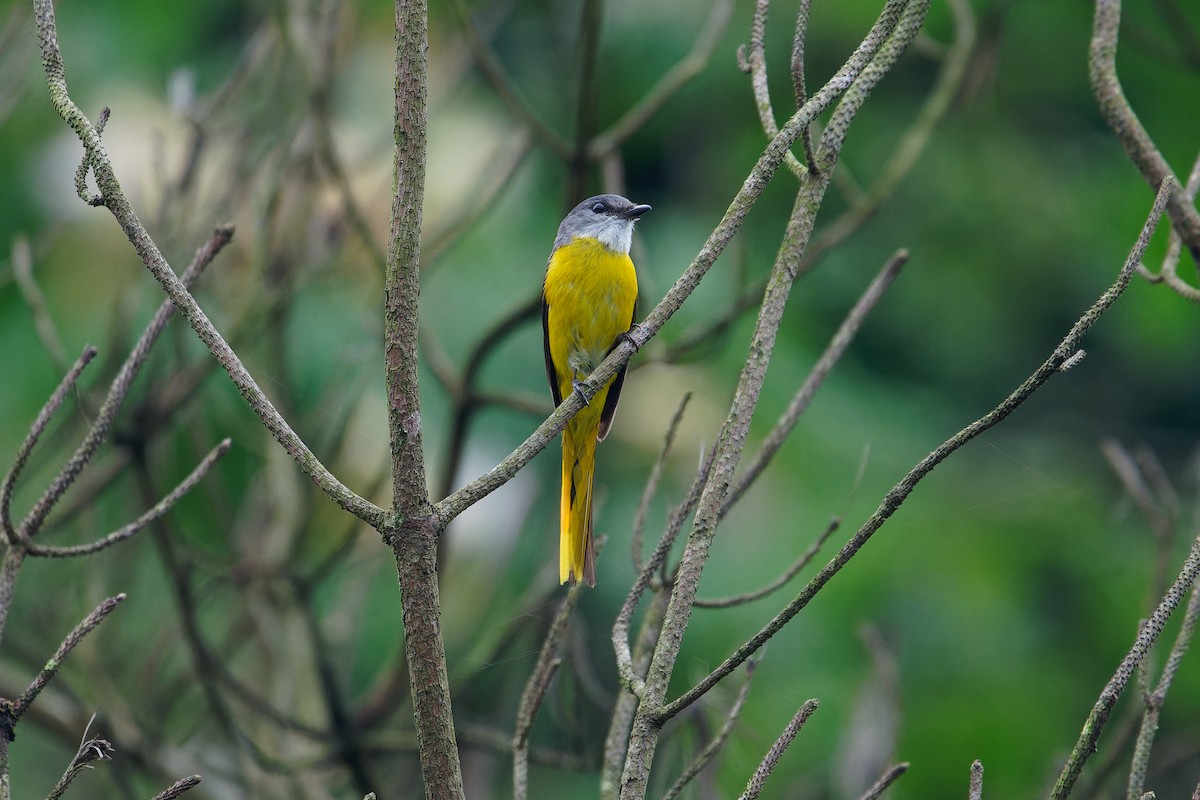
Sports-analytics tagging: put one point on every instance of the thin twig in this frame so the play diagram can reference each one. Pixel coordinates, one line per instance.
(759, 779)
(782, 580)
(910, 145)
(756, 64)
(179, 787)
(11, 713)
(120, 386)
(1169, 272)
(668, 85)
(89, 751)
(975, 791)
(132, 528)
(885, 780)
(816, 377)
(1129, 130)
(1147, 635)
(713, 748)
(31, 293)
(544, 670)
(639, 517)
(31, 439)
(900, 492)
(114, 199)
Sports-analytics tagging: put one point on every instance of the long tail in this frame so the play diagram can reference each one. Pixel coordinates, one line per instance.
(576, 553)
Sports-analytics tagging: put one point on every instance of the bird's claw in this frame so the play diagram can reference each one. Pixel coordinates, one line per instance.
(579, 387)
(627, 336)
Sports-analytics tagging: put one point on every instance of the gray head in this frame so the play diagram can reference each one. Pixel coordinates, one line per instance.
(606, 217)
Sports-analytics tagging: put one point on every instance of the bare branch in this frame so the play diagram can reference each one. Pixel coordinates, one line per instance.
(1169, 272)
(885, 780)
(816, 377)
(759, 779)
(90, 750)
(1185, 219)
(900, 492)
(1148, 634)
(671, 82)
(179, 787)
(800, 563)
(710, 751)
(756, 64)
(119, 389)
(544, 669)
(114, 199)
(639, 517)
(11, 712)
(975, 792)
(726, 229)
(47, 331)
(132, 528)
(31, 439)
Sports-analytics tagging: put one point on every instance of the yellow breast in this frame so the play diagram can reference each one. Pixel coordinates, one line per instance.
(590, 291)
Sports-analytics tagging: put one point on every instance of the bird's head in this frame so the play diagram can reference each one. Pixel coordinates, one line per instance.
(608, 218)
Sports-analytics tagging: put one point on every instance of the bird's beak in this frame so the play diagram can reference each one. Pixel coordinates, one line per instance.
(635, 212)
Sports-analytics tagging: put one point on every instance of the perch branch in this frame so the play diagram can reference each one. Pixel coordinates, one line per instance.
(752, 188)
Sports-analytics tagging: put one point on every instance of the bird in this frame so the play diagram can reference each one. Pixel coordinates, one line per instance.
(588, 303)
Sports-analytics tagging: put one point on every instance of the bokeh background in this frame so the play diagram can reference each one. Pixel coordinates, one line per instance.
(981, 622)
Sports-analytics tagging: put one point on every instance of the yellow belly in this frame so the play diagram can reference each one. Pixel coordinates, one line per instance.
(590, 291)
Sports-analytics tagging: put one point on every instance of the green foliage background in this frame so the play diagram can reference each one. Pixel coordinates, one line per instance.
(1005, 590)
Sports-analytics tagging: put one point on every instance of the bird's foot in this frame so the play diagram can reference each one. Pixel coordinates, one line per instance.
(579, 387)
(627, 336)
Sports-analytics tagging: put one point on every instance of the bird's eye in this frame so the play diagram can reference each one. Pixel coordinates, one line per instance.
(597, 208)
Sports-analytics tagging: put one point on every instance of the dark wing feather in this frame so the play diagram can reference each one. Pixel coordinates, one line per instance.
(614, 391)
(551, 373)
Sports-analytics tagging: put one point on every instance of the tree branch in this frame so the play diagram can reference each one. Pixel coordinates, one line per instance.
(1148, 633)
(759, 779)
(752, 188)
(1065, 350)
(160, 508)
(1124, 122)
(114, 199)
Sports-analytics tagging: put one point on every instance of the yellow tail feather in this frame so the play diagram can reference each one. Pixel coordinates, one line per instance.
(576, 556)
